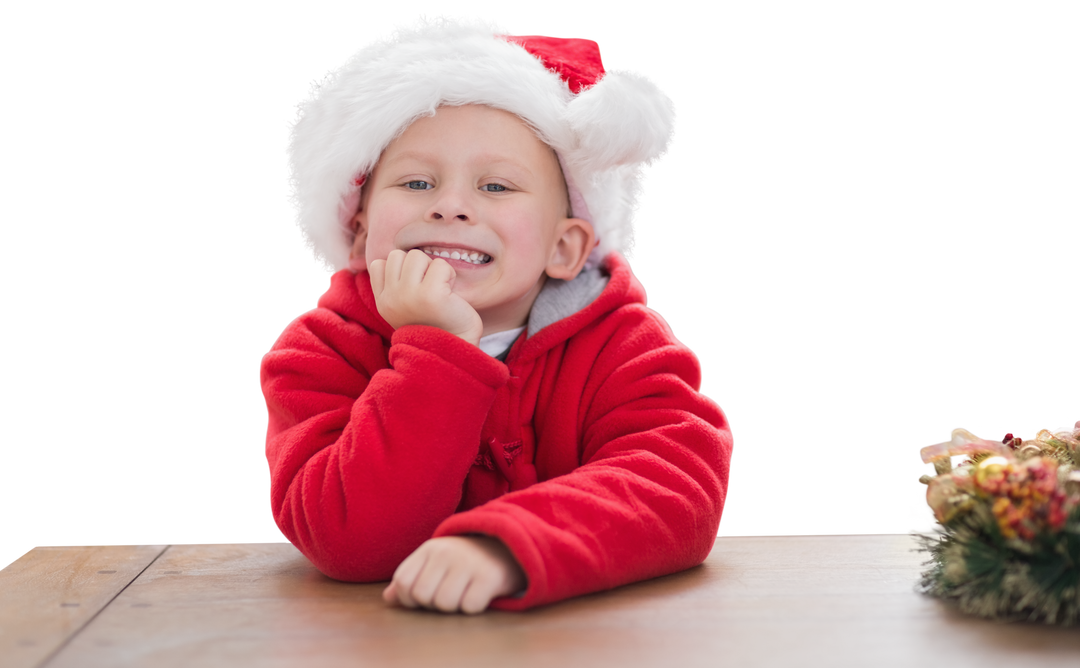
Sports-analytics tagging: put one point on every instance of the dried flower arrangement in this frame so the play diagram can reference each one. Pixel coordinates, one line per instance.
(1008, 542)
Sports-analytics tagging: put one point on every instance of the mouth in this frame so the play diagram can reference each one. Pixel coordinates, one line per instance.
(461, 254)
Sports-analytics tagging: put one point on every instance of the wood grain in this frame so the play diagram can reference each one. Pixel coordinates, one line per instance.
(798, 601)
(51, 592)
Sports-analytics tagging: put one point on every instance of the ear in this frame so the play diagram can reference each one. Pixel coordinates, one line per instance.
(574, 240)
(357, 255)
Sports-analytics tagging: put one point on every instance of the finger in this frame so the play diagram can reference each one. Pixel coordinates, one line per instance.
(406, 575)
(401, 592)
(390, 593)
(440, 272)
(451, 589)
(414, 266)
(427, 582)
(377, 272)
(393, 268)
(477, 595)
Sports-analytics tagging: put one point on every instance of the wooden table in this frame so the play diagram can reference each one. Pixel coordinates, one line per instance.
(784, 601)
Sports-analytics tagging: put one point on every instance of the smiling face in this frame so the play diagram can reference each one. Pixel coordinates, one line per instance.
(476, 187)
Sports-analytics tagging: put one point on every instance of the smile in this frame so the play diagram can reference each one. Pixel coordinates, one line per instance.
(472, 257)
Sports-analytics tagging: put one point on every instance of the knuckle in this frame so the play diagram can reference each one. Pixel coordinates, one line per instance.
(420, 592)
(475, 601)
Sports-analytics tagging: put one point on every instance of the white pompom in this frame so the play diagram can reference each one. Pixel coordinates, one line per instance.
(624, 119)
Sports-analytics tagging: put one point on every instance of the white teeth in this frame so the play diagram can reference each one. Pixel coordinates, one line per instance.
(472, 257)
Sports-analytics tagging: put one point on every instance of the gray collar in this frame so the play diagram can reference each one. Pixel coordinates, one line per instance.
(561, 299)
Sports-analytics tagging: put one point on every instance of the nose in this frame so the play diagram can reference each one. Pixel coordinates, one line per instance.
(453, 204)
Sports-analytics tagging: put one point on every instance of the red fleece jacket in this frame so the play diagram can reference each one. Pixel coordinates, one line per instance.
(589, 453)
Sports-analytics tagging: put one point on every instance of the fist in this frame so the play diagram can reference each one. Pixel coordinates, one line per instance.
(456, 574)
(413, 289)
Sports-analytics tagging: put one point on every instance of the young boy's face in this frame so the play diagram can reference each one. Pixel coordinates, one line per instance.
(475, 186)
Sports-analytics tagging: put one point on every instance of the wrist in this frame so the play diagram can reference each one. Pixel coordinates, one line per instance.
(469, 340)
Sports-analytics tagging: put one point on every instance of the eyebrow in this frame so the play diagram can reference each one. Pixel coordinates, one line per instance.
(487, 159)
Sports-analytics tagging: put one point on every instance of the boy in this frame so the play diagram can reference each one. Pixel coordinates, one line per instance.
(482, 408)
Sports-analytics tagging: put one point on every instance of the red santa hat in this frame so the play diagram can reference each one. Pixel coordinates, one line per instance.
(603, 125)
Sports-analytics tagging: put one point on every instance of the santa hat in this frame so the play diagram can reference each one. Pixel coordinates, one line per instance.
(603, 126)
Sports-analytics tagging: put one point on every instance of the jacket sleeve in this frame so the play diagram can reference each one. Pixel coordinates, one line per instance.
(647, 497)
(369, 445)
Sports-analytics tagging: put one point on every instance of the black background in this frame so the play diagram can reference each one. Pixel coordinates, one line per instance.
(861, 231)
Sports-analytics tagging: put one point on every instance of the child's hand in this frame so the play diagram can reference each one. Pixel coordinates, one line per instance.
(456, 574)
(413, 289)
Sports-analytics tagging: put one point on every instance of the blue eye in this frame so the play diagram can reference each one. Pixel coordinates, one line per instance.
(424, 185)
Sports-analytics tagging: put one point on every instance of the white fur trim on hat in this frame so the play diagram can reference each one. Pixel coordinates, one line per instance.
(602, 135)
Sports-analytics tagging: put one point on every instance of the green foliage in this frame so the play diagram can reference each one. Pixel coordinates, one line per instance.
(988, 575)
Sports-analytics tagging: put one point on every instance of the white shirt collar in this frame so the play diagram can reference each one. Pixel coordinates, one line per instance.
(497, 343)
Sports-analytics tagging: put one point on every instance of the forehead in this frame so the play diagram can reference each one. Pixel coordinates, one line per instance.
(471, 132)
(428, 158)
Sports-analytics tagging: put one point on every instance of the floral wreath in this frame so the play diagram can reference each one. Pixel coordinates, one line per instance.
(1008, 538)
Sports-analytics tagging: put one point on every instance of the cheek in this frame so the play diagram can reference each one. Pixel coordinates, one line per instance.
(380, 238)
(376, 248)
(525, 235)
